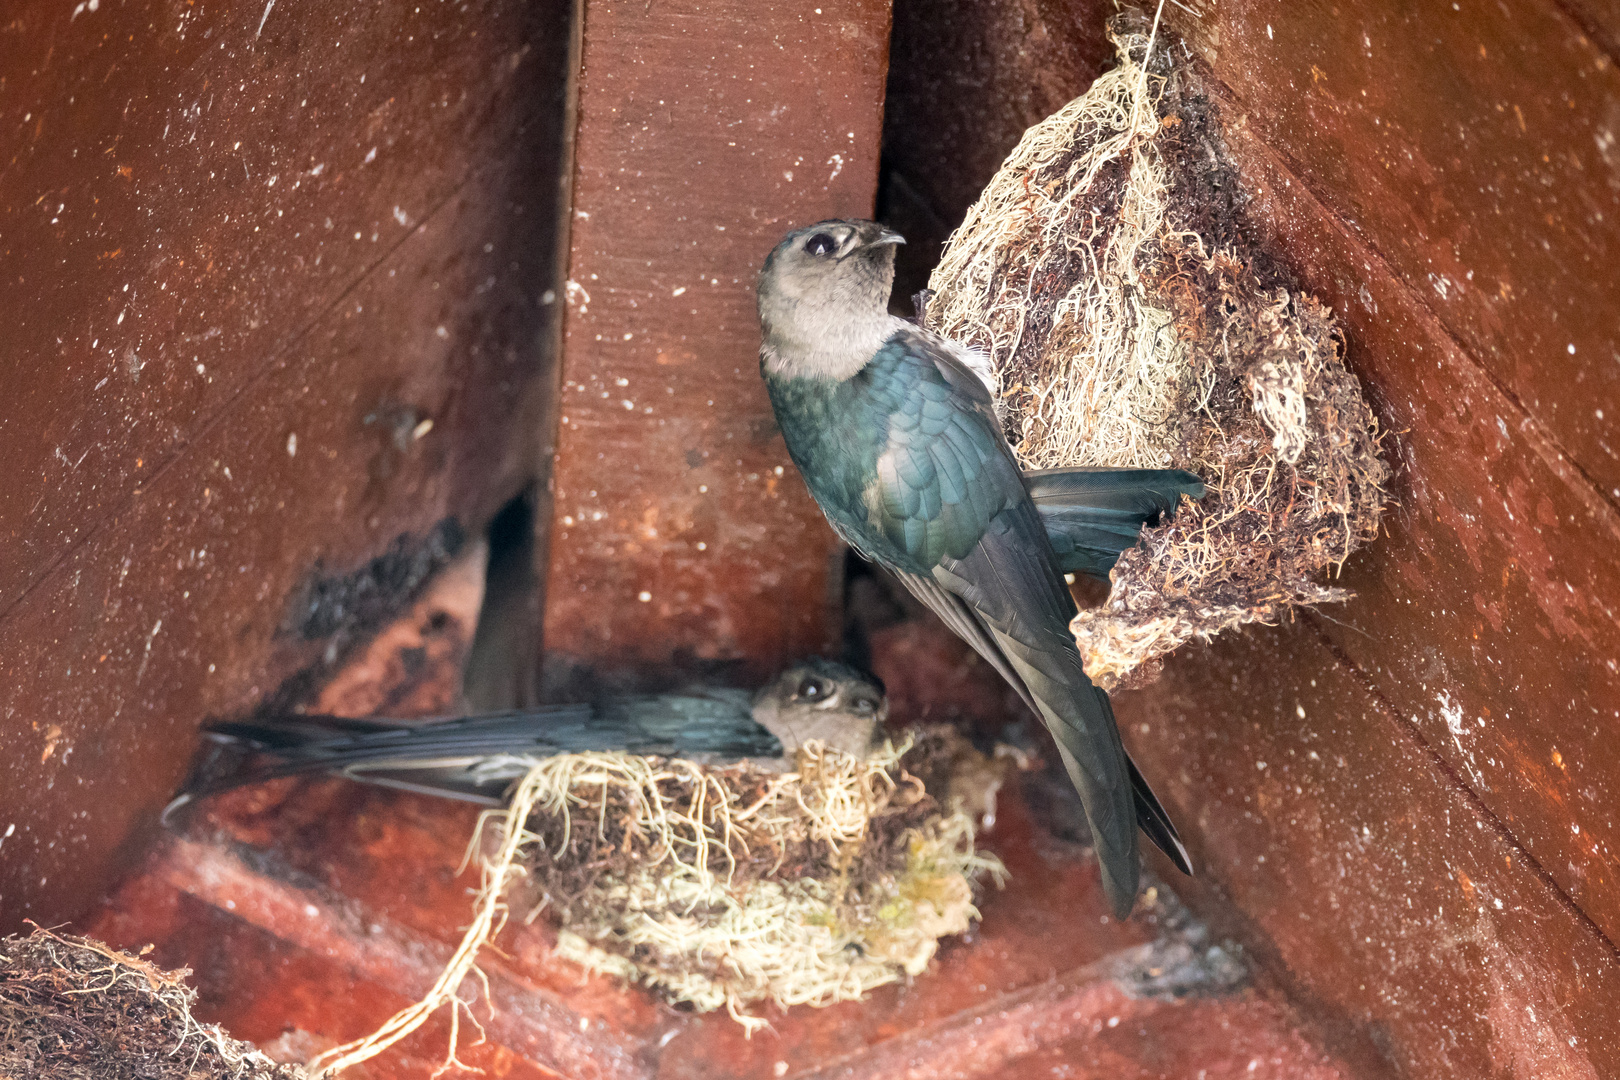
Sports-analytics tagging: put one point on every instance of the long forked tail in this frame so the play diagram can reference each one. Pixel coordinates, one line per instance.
(474, 758)
(1151, 816)
(966, 623)
(1021, 609)
(439, 757)
(1082, 724)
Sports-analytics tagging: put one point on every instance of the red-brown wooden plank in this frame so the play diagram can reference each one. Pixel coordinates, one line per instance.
(395, 856)
(1488, 614)
(517, 1013)
(183, 606)
(1087, 1029)
(1474, 147)
(706, 131)
(187, 189)
(1375, 888)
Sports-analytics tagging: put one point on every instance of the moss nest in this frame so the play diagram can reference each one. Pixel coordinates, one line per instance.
(729, 886)
(725, 886)
(1108, 274)
(75, 1009)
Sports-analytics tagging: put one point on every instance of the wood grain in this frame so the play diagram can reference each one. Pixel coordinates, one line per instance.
(1374, 888)
(683, 538)
(1487, 615)
(1474, 148)
(273, 402)
(184, 198)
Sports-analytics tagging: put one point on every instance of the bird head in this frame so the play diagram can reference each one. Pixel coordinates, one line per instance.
(824, 297)
(822, 699)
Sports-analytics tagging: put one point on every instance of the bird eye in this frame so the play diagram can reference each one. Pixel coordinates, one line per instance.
(865, 705)
(811, 689)
(821, 244)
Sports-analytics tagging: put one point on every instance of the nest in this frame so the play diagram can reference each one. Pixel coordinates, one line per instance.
(723, 887)
(71, 1008)
(1107, 273)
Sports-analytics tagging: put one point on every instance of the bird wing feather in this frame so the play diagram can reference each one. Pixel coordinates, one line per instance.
(966, 624)
(942, 470)
(1092, 515)
(1009, 583)
(908, 461)
(946, 497)
(451, 756)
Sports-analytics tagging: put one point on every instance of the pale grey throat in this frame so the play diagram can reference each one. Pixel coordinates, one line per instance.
(824, 310)
(826, 316)
(842, 345)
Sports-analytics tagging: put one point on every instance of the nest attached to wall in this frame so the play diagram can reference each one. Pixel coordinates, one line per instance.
(728, 886)
(1131, 323)
(75, 1009)
(724, 886)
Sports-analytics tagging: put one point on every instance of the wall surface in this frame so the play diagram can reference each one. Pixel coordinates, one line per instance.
(274, 352)
(682, 540)
(1405, 805)
(276, 284)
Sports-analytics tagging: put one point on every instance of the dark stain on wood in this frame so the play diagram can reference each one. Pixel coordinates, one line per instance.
(274, 298)
(363, 599)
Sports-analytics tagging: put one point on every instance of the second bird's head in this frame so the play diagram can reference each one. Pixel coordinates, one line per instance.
(823, 699)
(824, 276)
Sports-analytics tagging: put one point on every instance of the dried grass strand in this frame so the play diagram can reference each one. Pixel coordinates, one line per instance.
(691, 902)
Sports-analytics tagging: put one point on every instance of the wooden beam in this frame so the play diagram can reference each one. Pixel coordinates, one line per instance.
(682, 536)
(273, 294)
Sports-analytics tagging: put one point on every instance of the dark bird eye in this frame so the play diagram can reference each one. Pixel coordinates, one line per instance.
(821, 244)
(811, 689)
(865, 705)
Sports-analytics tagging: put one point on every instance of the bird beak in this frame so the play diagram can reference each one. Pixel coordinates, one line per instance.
(883, 238)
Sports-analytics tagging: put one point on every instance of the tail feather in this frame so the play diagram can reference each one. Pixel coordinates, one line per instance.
(1082, 724)
(1014, 594)
(966, 624)
(473, 758)
(1092, 515)
(1151, 817)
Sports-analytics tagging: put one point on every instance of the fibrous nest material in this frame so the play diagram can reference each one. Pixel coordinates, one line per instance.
(728, 885)
(1108, 273)
(75, 1009)
(723, 887)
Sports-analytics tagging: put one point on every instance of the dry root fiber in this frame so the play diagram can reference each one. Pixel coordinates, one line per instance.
(726, 886)
(730, 886)
(74, 1009)
(1106, 272)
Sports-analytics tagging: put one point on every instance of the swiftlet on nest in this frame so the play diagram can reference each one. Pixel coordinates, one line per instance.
(721, 885)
